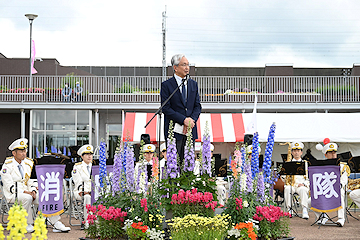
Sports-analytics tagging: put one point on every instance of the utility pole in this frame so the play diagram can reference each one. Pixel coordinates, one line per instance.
(164, 44)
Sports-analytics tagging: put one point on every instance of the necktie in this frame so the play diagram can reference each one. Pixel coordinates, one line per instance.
(88, 168)
(21, 170)
(183, 93)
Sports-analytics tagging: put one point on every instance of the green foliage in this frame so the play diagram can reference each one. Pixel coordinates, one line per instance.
(71, 80)
(124, 200)
(330, 90)
(274, 230)
(249, 202)
(186, 181)
(109, 229)
(127, 88)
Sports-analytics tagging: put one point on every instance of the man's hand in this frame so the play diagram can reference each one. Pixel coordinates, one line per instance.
(300, 185)
(189, 122)
(85, 193)
(33, 194)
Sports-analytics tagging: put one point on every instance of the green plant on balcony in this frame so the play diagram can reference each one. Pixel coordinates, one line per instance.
(71, 79)
(336, 90)
(127, 88)
(3, 88)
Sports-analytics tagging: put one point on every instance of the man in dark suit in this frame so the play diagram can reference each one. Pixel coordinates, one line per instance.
(184, 107)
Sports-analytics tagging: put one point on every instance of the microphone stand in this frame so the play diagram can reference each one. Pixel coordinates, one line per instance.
(159, 111)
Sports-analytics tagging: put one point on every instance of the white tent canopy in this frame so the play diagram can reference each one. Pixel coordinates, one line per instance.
(308, 127)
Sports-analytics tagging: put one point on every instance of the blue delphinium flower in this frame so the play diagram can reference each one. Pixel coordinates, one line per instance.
(255, 155)
(206, 153)
(102, 163)
(260, 188)
(171, 163)
(229, 162)
(189, 153)
(268, 155)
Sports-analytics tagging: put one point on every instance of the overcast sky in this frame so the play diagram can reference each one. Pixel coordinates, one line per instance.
(252, 33)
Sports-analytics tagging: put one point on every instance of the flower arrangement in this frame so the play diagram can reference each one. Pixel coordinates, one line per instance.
(17, 222)
(105, 223)
(188, 199)
(22, 90)
(191, 202)
(187, 180)
(243, 231)
(271, 223)
(137, 231)
(196, 227)
(40, 232)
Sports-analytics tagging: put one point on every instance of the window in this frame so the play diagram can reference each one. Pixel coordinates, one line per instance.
(64, 128)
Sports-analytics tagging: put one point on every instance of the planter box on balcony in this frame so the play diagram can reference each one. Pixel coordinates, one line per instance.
(21, 97)
(123, 97)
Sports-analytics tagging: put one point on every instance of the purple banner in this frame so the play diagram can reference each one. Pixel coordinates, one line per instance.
(95, 183)
(50, 182)
(325, 188)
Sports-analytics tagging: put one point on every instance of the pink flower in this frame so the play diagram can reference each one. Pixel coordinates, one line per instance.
(144, 204)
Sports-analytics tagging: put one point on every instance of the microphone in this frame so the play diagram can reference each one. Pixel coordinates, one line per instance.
(187, 76)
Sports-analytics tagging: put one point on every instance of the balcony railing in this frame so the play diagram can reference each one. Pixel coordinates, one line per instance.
(211, 89)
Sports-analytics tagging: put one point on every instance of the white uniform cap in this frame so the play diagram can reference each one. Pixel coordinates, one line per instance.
(20, 143)
(249, 149)
(85, 149)
(297, 145)
(149, 148)
(162, 147)
(330, 147)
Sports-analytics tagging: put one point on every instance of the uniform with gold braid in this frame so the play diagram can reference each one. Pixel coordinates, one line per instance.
(297, 181)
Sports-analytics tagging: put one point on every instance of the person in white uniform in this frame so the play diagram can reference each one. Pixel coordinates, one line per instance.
(149, 150)
(355, 196)
(82, 177)
(330, 152)
(15, 176)
(299, 183)
(163, 160)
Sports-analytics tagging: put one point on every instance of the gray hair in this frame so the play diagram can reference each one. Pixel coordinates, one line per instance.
(175, 60)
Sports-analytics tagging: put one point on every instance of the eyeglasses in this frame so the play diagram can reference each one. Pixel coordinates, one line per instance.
(184, 65)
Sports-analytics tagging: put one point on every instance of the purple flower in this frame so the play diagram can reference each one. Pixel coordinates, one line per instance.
(117, 172)
(206, 153)
(247, 170)
(189, 153)
(140, 170)
(163, 173)
(255, 155)
(260, 188)
(129, 154)
(171, 163)
(268, 155)
(243, 157)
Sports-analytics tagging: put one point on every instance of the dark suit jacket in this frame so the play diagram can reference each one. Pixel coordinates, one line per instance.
(175, 108)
